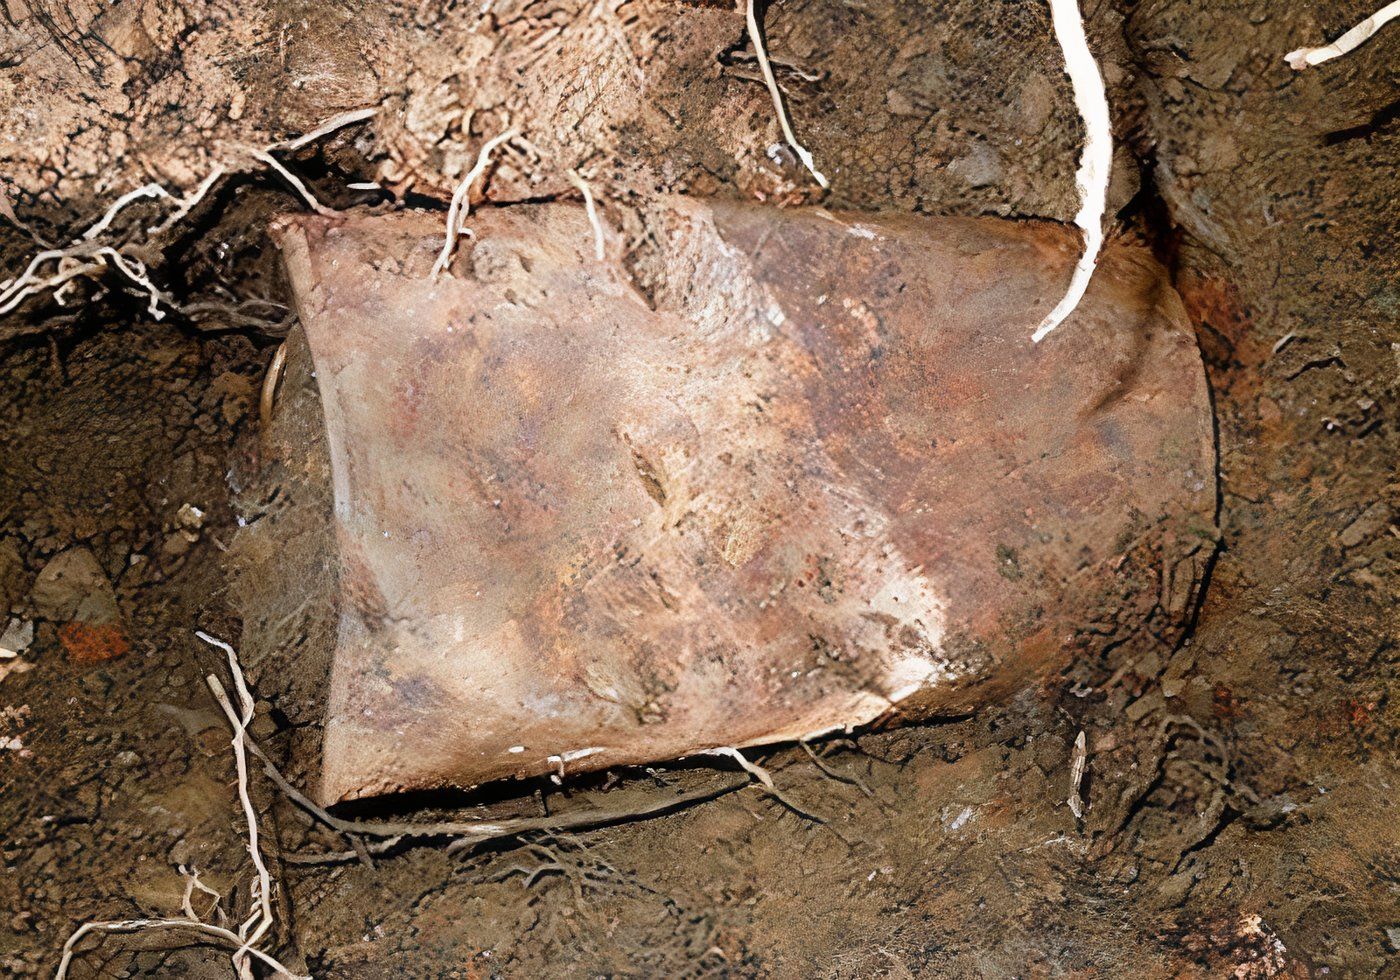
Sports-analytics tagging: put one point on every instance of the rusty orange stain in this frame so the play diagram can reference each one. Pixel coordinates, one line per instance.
(86, 643)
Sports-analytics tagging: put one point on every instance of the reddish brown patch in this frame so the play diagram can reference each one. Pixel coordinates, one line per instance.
(1231, 347)
(1225, 705)
(1341, 717)
(1359, 712)
(87, 644)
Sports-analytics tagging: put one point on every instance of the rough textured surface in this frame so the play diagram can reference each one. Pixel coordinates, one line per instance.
(1242, 818)
(640, 96)
(828, 473)
(639, 93)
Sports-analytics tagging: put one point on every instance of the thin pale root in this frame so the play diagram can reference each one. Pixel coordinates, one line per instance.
(599, 242)
(756, 35)
(461, 204)
(1308, 57)
(1095, 161)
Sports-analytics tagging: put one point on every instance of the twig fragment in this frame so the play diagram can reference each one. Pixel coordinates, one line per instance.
(756, 35)
(7, 211)
(1096, 158)
(268, 395)
(1304, 58)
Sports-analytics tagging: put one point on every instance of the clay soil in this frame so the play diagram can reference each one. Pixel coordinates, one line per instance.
(1242, 783)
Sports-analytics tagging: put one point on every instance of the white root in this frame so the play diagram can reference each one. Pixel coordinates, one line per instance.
(466, 832)
(30, 282)
(192, 883)
(326, 128)
(599, 241)
(756, 35)
(1096, 158)
(13, 292)
(135, 270)
(150, 190)
(227, 936)
(27, 283)
(828, 770)
(752, 768)
(255, 927)
(461, 204)
(761, 774)
(261, 919)
(1348, 42)
(188, 202)
(262, 156)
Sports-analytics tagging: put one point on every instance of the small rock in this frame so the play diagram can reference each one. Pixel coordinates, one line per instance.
(1369, 524)
(18, 634)
(74, 588)
(192, 720)
(980, 166)
(189, 517)
(263, 726)
(177, 545)
(75, 592)
(98, 684)
(1144, 706)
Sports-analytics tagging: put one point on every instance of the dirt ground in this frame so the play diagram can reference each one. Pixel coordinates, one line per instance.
(1242, 784)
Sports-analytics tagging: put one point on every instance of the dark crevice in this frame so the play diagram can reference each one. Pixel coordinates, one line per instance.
(1379, 120)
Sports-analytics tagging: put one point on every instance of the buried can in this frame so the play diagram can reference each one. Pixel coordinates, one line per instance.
(812, 476)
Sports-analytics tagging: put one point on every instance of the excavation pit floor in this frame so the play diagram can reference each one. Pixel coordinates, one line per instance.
(1242, 815)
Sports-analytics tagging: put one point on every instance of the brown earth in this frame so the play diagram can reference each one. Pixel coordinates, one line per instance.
(1242, 812)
